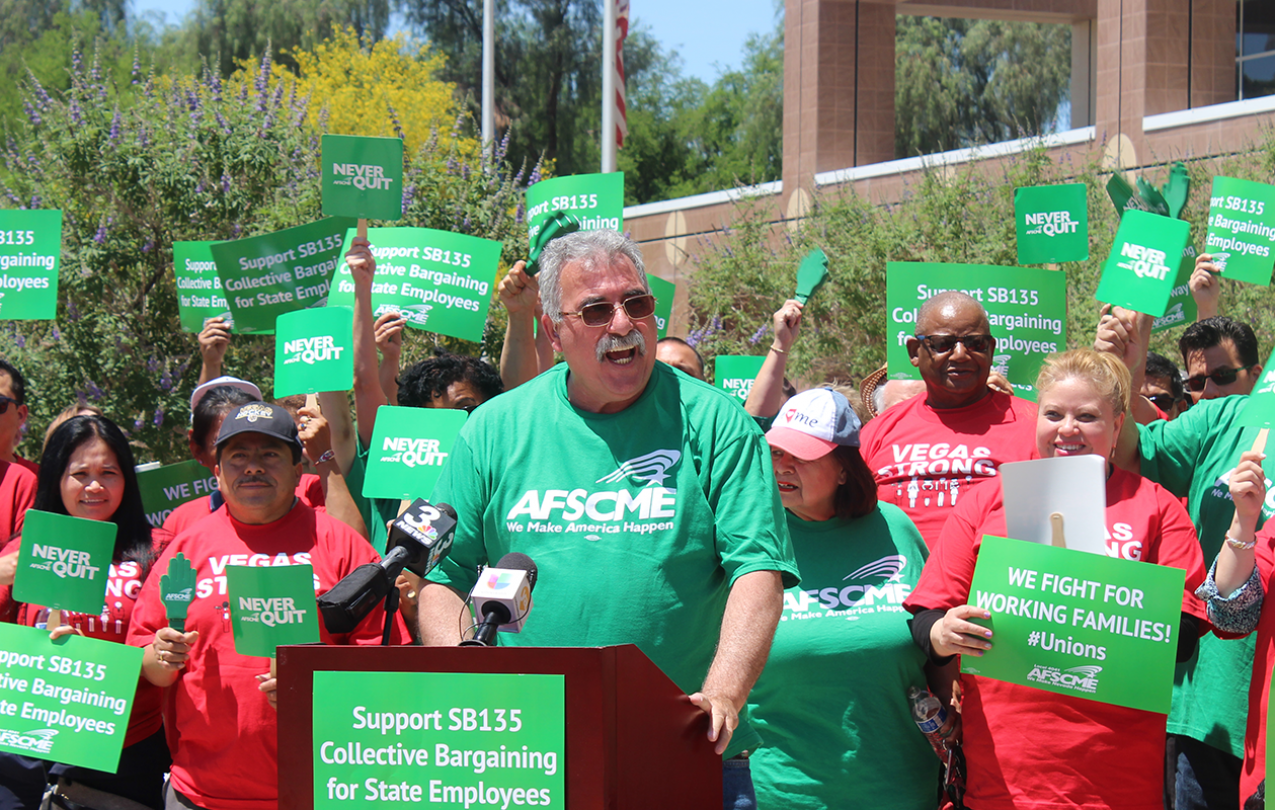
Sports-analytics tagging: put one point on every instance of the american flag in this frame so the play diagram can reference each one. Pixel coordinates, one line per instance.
(620, 33)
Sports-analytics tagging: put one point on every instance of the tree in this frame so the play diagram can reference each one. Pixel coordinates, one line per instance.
(961, 82)
(548, 71)
(183, 158)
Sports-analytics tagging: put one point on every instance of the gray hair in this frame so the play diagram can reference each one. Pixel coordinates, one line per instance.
(590, 247)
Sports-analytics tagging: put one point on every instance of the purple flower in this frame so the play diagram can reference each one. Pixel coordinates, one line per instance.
(199, 187)
(263, 81)
(77, 64)
(398, 128)
(100, 236)
(757, 336)
(96, 393)
(136, 75)
(76, 117)
(464, 171)
(519, 213)
(466, 225)
(159, 417)
(72, 311)
(115, 126)
(225, 184)
(55, 334)
(137, 424)
(20, 340)
(149, 246)
(32, 115)
(152, 365)
(41, 95)
(166, 382)
(409, 194)
(535, 176)
(503, 149)
(451, 164)
(222, 122)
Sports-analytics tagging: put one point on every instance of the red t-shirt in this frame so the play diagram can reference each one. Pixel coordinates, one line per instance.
(1254, 770)
(28, 464)
(1031, 748)
(17, 493)
(221, 729)
(309, 490)
(926, 460)
(124, 582)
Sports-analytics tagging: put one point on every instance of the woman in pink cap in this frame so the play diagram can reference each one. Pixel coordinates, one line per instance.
(832, 703)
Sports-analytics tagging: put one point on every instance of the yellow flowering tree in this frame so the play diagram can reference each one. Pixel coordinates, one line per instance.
(388, 89)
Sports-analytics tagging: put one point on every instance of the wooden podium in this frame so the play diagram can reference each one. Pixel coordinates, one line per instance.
(633, 739)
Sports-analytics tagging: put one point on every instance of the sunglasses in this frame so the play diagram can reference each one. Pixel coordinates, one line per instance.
(945, 344)
(5, 402)
(601, 314)
(1222, 376)
(1164, 402)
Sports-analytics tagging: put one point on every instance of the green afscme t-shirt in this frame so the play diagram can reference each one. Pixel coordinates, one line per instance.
(638, 522)
(832, 703)
(1193, 457)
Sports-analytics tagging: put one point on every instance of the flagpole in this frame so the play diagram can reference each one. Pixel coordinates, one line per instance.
(489, 74)
(608, 86)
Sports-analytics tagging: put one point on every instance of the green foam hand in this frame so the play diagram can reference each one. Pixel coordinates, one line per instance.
(1167, 201)
(811, 274)
(1177, 189)
(177, 590)
(558, 225)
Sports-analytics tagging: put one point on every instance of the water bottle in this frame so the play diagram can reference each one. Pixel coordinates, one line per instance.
(932, 719)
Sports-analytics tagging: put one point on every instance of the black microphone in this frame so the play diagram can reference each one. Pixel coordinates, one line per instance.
(418, 539)
(502, 598)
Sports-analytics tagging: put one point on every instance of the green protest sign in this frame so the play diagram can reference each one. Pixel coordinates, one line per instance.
(1142, 268)
(1181, 309)
(177, 591)
(437, 280)
(1259, 411)
(362, 177)
(1027, 308)
(1078, 624)
(735, 374)
(67, 700)
(663, 292)
(811, 274)
(586, 202)
(64, 561)
(314, 351)
(268, 275)
(408, 451)
(30, 253)
(271, 606)
(199, 293)
(1241, 231)
(168, 487)
(462, 739)
(1052, 223)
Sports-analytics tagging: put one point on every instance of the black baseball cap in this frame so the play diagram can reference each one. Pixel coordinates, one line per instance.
(264, 418)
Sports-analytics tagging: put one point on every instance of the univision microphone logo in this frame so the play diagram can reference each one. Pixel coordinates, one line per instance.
(499, 580)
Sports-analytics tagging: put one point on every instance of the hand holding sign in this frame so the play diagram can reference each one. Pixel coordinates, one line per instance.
(64, 561)
(954, 634)
(271, 607)
(177, 590)
(811, 275)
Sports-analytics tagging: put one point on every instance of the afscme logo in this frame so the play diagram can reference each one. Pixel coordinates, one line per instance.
(888, 568)
(652, 468)
(39, 741)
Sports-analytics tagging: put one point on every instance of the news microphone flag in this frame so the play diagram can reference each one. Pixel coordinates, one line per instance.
(507, 586)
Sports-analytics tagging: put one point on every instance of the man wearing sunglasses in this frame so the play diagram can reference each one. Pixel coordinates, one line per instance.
(930, 451)
(646, 498)
(1221, 358)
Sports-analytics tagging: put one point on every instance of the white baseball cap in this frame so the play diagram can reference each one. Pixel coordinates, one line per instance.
(233, 382)
(813, 423)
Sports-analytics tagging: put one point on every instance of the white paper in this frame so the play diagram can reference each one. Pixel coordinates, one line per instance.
(1073, 486)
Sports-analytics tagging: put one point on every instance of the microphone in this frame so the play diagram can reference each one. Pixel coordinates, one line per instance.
(418, 539)
(502, 598)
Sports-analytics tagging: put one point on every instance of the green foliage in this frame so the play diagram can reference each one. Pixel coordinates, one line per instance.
(960, 82)
(744, 274)
(187, 158)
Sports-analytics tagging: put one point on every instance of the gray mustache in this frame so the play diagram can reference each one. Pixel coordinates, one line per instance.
(616, 343)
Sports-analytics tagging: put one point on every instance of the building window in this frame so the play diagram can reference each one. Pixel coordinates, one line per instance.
(1254, 48)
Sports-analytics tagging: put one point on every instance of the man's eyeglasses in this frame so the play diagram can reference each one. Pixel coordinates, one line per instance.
(945, 344)
(600, 314)
(1221, 376)
(5, 402)
(1164, 402)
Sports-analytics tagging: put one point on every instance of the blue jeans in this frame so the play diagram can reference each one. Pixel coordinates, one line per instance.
(737, 785)
(1204, 777)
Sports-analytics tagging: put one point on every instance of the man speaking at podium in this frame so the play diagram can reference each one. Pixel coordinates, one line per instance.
(646, 498)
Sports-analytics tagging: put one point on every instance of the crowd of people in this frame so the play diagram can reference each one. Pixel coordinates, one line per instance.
(741, 540)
